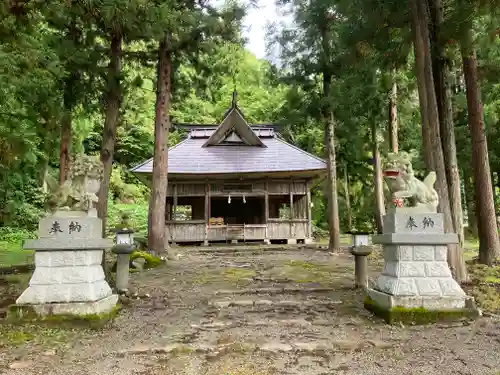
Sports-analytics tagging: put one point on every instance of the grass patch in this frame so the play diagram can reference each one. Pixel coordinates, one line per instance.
(307, 272)
(471, 249)
(12, 254)
(486, 286)
(237, 276)
(481, 273)
(487, 297)
(15, 336)
(19, 314)
(11, 247)
(22, 280)
(345, 239)
(151, 260)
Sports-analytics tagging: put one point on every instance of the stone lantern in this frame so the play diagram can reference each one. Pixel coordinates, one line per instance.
(123, 248)
(360, 249)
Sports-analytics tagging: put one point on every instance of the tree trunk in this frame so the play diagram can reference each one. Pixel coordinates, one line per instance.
(419, 47)
(69, 100)
(332, 194)
(470, 200)
(441, 68)
(66, 139)
(497, 188)
(113, 99)
(393, 119)
(378, 180)
(329, 119)
(157, 206)
(46, 135)
(423, 54)
(347, 198)
(489, 245)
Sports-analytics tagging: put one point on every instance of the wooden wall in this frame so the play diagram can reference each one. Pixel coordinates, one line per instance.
(274, 187)
(196, 230)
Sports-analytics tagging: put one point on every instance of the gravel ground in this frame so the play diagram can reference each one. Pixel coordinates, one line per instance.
(259, 313)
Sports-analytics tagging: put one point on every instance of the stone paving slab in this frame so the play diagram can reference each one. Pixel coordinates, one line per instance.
(305, 348)
(178, 329)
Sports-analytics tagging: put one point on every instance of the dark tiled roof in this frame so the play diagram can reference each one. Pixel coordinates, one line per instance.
(260, 151)
(189, 157)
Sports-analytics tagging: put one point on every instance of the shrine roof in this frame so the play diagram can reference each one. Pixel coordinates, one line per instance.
(235, 147)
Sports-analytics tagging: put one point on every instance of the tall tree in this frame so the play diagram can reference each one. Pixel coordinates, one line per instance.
(112, 100)
(427, 93)
(73, 34)
(441, 73)
(325, 18)
(186, 28)
(489, 245)
(160, 161)
(378, 178)
(393, 117)
(329, 119)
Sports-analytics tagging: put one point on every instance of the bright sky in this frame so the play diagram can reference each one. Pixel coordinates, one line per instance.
(255, 25)
(256, 21)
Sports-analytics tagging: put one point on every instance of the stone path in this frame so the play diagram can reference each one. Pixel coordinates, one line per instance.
(256, 313)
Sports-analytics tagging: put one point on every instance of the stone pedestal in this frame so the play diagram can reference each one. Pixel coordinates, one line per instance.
(361, 265)
(416, 272)
(68, 276)
(123, 252)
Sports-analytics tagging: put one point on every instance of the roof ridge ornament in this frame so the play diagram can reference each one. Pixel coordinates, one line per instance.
(235, 97)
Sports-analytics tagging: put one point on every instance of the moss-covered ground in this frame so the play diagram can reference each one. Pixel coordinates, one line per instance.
(332, 330)
(418, 316)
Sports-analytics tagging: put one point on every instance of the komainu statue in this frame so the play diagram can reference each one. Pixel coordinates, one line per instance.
(402, 183)
(79, 191)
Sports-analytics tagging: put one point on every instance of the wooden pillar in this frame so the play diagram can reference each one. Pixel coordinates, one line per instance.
(207, 211)
(292, 231)
(174, 209)
(266, 210)
(308, 211)
(266, 203)
(167, 210)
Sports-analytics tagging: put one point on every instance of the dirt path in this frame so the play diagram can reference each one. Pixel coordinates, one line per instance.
(290, 312)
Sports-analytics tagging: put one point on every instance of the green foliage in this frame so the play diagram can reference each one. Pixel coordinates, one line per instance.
(138, 216)
(54, 63)
(11, 251)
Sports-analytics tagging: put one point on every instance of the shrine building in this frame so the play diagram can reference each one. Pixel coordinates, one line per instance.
(237, 182)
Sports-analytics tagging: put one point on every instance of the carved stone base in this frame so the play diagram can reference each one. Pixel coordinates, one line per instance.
(416, 272)
(389, 301)
(68, 274)
(102, 306)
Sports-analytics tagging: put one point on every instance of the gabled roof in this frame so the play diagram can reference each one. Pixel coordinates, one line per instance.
(235, 147)
(234, 122)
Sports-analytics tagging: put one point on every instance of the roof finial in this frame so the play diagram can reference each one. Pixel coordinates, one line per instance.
(235, 95)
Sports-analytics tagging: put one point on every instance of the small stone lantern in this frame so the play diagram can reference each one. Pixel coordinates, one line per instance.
(124, 236)
(123, 251)
(360, 238)
(361, 249)
(123, 248)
